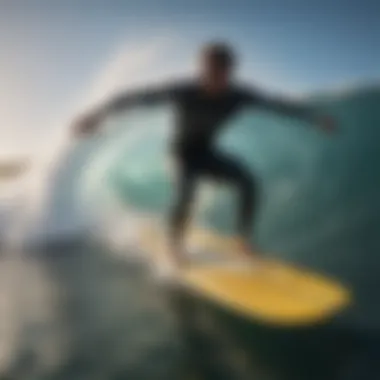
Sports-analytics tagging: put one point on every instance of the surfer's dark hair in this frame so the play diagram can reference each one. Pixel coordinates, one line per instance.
(221, 53)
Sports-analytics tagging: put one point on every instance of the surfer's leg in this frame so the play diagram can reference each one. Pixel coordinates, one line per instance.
(225, 168)
(185, 186)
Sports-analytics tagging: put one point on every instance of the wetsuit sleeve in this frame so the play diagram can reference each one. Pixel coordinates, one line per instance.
(144, 97)
(279, 105)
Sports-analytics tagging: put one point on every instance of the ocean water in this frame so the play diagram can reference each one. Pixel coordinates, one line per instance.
(72, 312)
(85, 306)
(76, 311)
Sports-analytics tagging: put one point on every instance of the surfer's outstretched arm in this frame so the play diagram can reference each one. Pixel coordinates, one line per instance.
(292, 109)
(144, 97)
(89, 122)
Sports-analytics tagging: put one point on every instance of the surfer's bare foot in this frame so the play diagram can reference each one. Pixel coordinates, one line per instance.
(246, 250)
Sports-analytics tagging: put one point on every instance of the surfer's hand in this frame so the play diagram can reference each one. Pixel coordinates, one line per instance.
(327, 124)
(87, 124)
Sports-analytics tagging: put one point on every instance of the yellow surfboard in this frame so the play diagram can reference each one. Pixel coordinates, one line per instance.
(269, 291)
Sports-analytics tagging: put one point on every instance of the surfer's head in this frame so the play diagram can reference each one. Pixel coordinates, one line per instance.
(217, 64)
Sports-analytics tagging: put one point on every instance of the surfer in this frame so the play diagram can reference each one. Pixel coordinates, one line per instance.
(203, 106)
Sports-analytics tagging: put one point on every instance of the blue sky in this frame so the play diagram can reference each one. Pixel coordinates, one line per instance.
(55, 54)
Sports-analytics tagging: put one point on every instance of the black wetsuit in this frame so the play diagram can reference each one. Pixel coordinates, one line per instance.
(199, 119)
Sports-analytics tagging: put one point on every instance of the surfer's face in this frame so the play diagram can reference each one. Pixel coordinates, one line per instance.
(215, 75)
